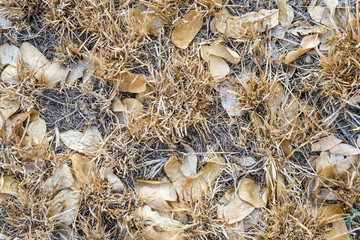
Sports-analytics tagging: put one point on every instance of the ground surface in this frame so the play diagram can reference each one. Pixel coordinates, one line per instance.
(246, 170)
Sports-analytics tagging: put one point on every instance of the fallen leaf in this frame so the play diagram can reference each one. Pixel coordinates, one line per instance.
(160, 219)
(37, 131)
(249, 192)
(233, 210)
(9, 185)
(189, 163)
(345, 150)
(10, 75)
(60, 179)
(307, 43)
(156, 194)
(134, 108)
(8, 107)
(246, 161)
(53, 73)
(219, 69)
(131, 82)
(144, 21)
(219, 50)
(156, 234)
(325, 144)
(64, 207)
(87, 142)
(287, 148)
(186, 31)
(229, 99)
(82, 168)
(114, 181)
(118, 106)
(238, 27)
(173, 171)
(286, 13)
(84, 69)
(320, 15)
(304, 29)
(9, 54)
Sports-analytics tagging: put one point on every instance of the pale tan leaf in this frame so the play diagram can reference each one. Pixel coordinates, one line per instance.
(53, 73)
(246, 161)
(144, 21)
(189, 163)
(10, 75)
(114, 181)
(338, 231)
(131, 82)
(186, 31)
(37, 131)
(156, 194)
(219, 50)
(87, 142)
(307, 43)
(9, 185)
(33, 59)
(8, 107)
(118, 106)
(306, 30)
(320, 15)
(154, 234)
(60, 179)
(9, 54)
(84, 69)
(174, 173)
(134, 108)
(286, 13)
(161, 219)
(229, 99)
(219, 69)
(82, 168)
(325, 144)
(71, 139)
(234, 209)
(64, 207)
(249, 192)
(345, 150)
(274, 103)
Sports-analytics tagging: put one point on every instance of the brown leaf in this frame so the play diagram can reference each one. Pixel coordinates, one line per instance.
(325, 144)
(87, 142)
(144, 22)
(156, 194)
(82, 168)
(219, 50)
(249, 192)
(8, 107)
(307, 43)
(186, 31)
(9, 185)
(64, 207)
(131, 82)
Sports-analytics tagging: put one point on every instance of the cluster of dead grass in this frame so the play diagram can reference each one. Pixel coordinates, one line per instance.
(212, 102)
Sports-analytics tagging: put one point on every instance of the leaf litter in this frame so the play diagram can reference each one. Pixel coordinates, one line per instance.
(201, 120)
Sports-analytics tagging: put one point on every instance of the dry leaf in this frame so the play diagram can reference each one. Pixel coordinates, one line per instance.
(189, 165)
(37, 131)
(131, 82)
(118, 106)
(60, 179)
(84, 69)
(144, 22)
(219, 69)
(9, 185)
(8, 107)
(229, 99)
(114, 181)
(186, 31)
(64, 207)
(246, 161)
(286, 13)
(344, 149)
(10, 75)
(325, 144)
(81, 165)
(156, 194)
(173, 171)
(304, 29)
(9, 54)
(238, 27)
(335, 215)
(154, 234)
(249, 192)
(234, 209)
(307, 43)
(53, 73)
(87, 142)
(320, 15)
(287, 148)
(134, 108)
(219, 50)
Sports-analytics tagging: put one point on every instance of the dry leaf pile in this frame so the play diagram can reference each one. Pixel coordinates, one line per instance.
(168, 119)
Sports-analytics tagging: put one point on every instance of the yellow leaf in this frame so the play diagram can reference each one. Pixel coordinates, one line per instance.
(82, 168)
(307, 43)
(144, 22)
(131, 82)
(186, 31)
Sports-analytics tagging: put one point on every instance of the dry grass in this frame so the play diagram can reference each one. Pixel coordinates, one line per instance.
(282, 114)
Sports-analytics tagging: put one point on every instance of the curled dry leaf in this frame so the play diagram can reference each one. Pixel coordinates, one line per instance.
(173, 170)
(144, 22)
(8, 107)
(335, 215)
(60, 179)
(344, 149)
(325, 144)
(249, 192)
(189, 165)
(186, 31)
(219, 50)
(233, 209)
(131, 82)
(84, 69)
(82, 168)
(307, 43)
(46, 72)
(9, 54)
(252, 22)
(87, 142)
(64, 207)
(156, 194)
(37, 131)
(114, 181)
(286, 13)
(10, 75)
(304, 29)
